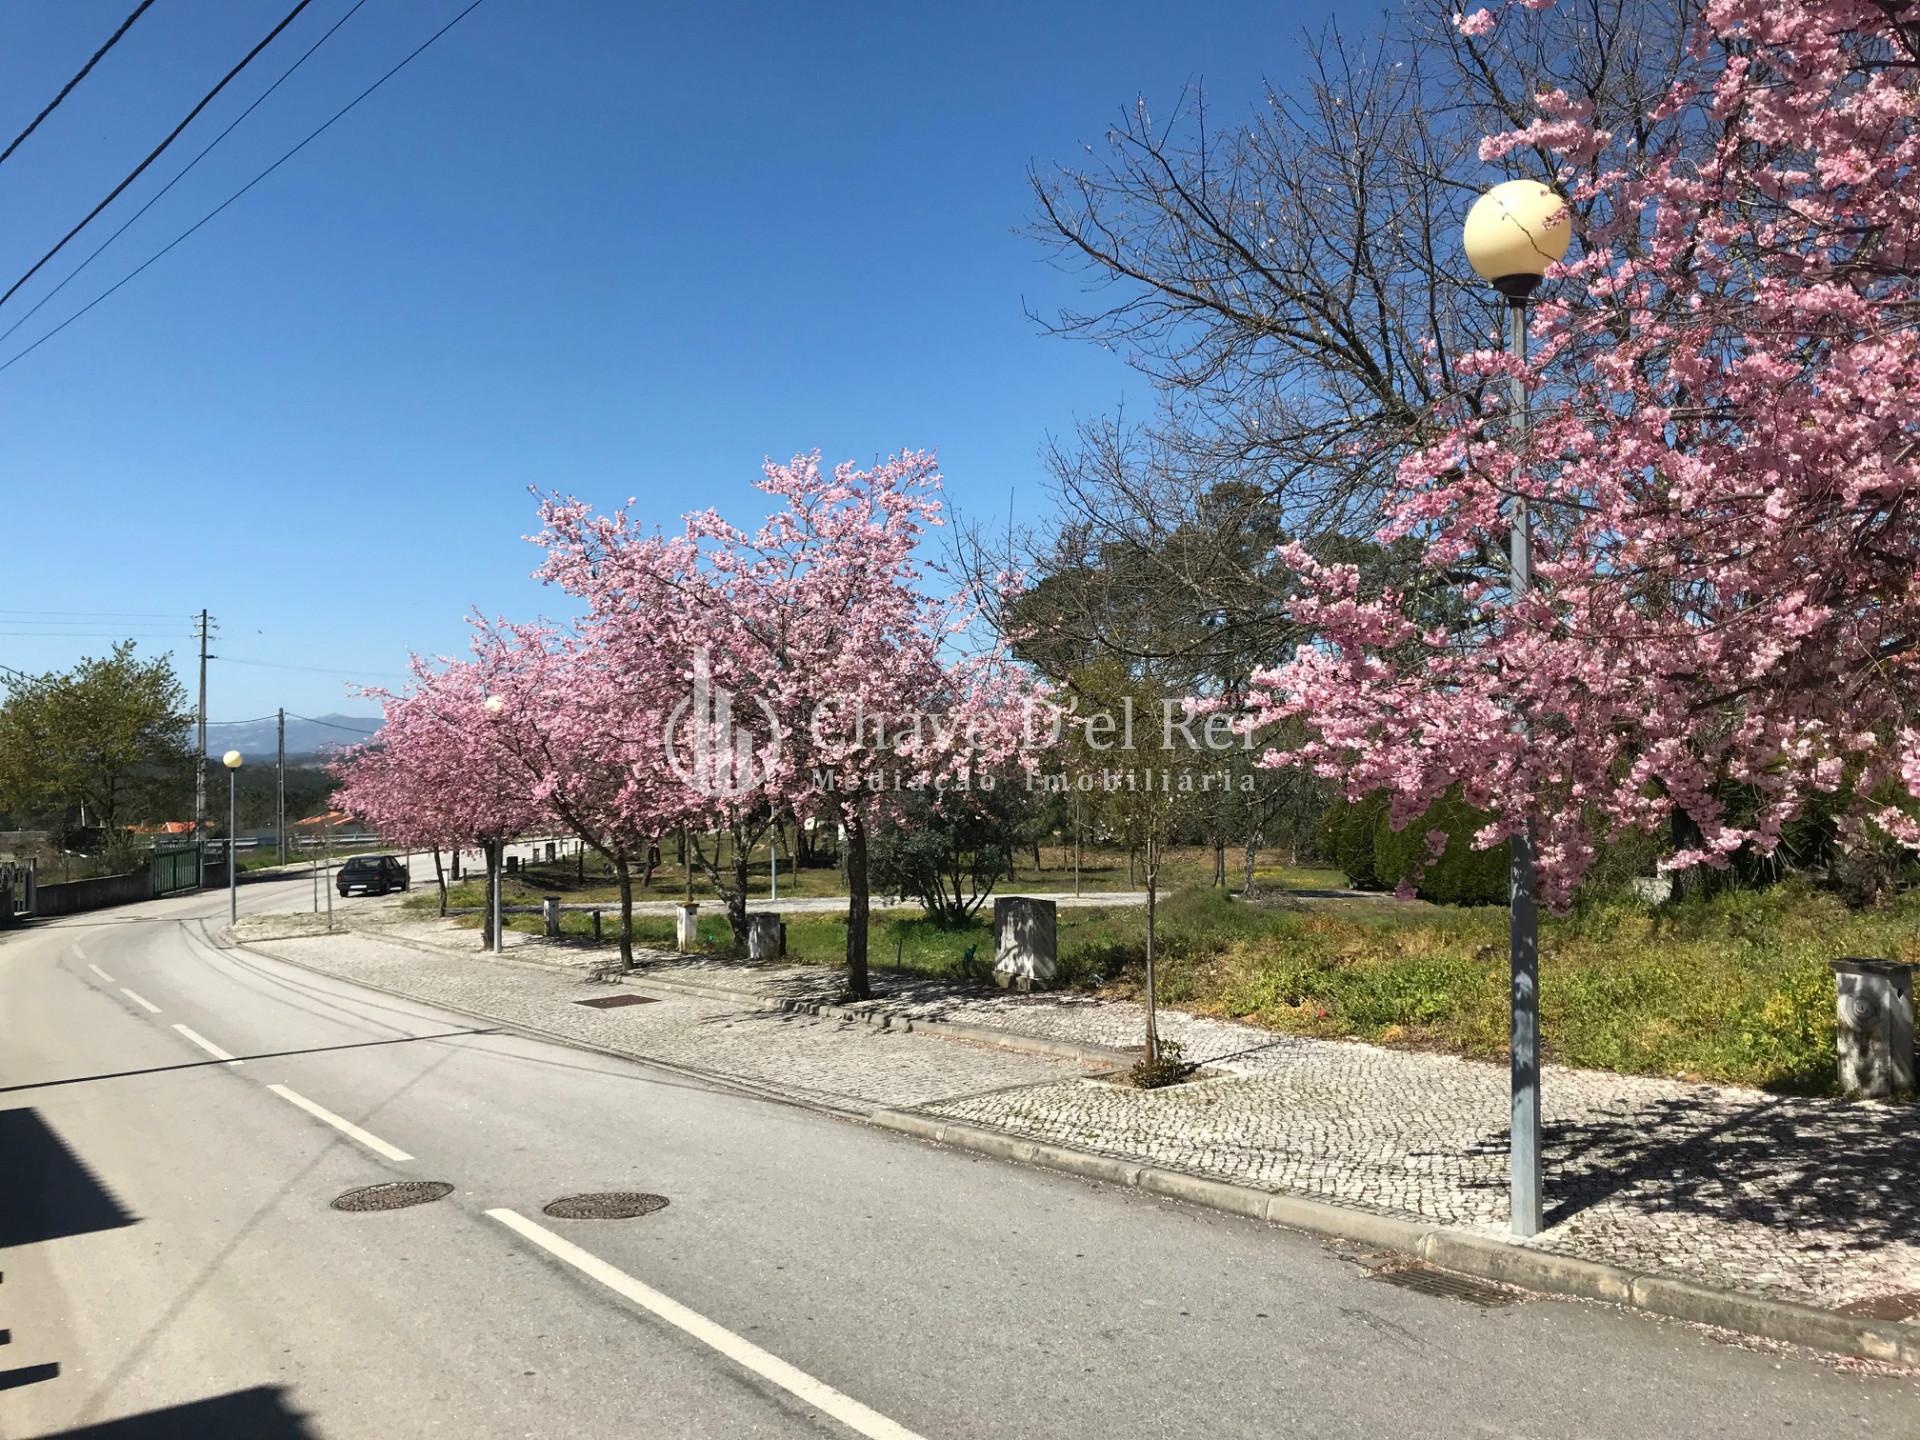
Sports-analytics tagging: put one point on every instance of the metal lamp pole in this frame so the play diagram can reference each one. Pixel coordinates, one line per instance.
(232, 761)
(494, 705)
(1513, 233)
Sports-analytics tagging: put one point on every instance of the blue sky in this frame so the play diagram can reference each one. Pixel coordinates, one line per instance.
(619, 250)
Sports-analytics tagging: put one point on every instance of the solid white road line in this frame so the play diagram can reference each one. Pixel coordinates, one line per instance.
(817, 1393)
(151, 1008)
(208, 1046)
(344, 1126)
(101, 973)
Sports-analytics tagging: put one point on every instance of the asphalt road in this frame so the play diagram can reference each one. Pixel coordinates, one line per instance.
(173, 1262)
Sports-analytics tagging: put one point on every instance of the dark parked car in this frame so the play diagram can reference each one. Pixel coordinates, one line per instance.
(372, 874)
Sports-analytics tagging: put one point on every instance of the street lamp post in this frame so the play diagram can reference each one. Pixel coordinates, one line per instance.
(1513, 233)
(232, 761)
(495, 704)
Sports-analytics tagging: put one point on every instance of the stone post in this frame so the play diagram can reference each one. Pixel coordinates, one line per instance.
(596, 927)
(1025, 943)
(550, 909)
(686, 927)
(765, 937)
(1875, 1030)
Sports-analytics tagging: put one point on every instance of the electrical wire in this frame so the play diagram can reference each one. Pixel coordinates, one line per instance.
(99, 634)
(156, 197)
(154, 154)
(184, 234)
(350, 729)
(312, 669)
(67, 89)
(96, 615)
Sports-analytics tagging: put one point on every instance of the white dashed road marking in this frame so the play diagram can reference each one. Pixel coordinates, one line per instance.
(344, 1126)
(101, 973)
(208, 1046)
(148, 1005)
(817, 1393)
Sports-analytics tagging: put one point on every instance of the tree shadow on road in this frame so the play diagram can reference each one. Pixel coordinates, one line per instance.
(50, 1192)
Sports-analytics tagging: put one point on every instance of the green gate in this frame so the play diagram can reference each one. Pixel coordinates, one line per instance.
(175, 869)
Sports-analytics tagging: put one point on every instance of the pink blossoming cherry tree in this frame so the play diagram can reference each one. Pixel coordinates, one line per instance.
(1724, 473)
(818, 630)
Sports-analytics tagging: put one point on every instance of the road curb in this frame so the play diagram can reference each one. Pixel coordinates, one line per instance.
(842, 1107)
(1481, 1256)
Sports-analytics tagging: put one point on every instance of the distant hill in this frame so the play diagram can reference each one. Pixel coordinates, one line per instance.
(319, 736)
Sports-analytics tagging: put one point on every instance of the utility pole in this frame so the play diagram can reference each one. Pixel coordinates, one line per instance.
(280, 805)
(200, 749)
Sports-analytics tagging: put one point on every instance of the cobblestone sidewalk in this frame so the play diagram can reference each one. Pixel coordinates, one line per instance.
(1801, 1199)
(1811, 1200)
(840, 1063)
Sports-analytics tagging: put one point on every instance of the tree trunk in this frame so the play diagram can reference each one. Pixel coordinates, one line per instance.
(857, 898)
(625, 873)
(737, 901)
(440, 878)
(493, 884)
(1694, 880)
(1253, 854)
(1131, 882)
(1153, 1017)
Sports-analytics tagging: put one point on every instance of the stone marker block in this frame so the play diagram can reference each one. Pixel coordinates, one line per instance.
(1026, 948)
(550, 910)
(1875, 1031)
(766, 937)
(686, 927)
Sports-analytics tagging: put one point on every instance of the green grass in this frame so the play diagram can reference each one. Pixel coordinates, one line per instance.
(1102, 870)
(1733, 988)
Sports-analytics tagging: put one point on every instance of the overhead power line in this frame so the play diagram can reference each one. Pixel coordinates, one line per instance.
(312, 135)
(315, 669)
(94, 615)
(67, 89)
(185, 170)
(328, 724)
(154, 154)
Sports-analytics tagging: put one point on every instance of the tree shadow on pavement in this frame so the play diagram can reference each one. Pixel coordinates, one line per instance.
(1843, 1178)
(261, 1413)
(50, 1193)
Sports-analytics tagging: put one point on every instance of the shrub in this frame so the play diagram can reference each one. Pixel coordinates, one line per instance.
(1361, 840)
(1169, 1069)
(1347, 836)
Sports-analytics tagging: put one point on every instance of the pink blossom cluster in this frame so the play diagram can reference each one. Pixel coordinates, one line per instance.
(1724, 475)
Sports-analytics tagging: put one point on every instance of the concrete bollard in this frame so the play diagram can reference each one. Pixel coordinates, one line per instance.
(550, 908)
(1875, 1032)
(1025, 942)
(686, 928)
(766, 937)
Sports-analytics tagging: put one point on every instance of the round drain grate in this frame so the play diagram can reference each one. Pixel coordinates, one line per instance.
(393, 1195)
(609, 1205)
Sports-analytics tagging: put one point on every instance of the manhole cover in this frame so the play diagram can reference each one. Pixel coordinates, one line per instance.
(1448, 1286)
(609, 1002)
(1901, 1305)
(393, 1195)
(609, 1205)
